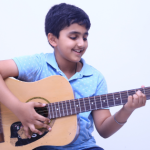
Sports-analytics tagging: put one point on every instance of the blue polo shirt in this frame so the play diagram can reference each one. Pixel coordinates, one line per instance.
(87, 82)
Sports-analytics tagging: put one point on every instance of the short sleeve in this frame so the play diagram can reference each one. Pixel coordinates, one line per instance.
(28, 67)
(102, 86)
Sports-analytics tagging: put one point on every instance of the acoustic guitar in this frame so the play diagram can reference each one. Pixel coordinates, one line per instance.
(61, 108)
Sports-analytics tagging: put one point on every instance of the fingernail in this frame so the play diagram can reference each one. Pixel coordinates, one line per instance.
(44, 104)
(49, 129)
(40, 133)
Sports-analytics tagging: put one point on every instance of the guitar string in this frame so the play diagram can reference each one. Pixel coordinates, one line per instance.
(86, 102)
(100, 102)
(107, 99)
(82, 107)
(19, 123)
(109, 94)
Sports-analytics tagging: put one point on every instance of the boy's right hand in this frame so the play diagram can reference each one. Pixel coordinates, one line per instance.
(29, 117)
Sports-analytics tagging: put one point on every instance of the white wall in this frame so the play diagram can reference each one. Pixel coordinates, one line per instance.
(119, 46)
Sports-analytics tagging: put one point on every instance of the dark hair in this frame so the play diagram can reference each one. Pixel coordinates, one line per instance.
(63, 15)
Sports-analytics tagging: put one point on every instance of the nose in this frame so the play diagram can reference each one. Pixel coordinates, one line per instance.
(81, 42)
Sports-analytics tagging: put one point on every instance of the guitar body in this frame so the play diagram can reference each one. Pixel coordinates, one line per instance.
(51, 89)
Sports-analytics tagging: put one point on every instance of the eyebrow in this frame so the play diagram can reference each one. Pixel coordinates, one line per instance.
(75, 32)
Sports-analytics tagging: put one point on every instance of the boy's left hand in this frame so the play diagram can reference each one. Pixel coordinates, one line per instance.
(135, 101)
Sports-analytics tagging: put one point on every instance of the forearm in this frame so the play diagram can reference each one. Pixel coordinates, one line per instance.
(110, 126)
(6, 97)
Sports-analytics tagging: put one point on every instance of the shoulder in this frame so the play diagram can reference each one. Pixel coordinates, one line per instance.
(30, 59)
(90, 70)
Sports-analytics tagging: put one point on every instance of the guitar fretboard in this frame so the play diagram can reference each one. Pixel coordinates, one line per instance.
(75, 106)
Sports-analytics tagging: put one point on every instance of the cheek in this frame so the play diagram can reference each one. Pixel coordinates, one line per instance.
(67, 43)
(86, 45)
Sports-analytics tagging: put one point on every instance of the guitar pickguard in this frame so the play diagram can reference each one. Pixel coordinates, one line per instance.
(18, 138)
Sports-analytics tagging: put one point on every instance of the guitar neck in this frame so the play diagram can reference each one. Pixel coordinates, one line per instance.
(75, 106)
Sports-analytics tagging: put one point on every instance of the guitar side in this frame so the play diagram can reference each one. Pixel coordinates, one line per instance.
(51, 89)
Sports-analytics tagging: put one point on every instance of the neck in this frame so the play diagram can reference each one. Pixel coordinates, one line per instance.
(67, 67)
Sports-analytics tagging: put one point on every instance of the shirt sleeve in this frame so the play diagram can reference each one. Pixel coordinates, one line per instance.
(101, 87)
(28, 67)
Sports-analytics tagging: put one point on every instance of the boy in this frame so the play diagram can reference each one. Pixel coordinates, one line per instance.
(66, 28)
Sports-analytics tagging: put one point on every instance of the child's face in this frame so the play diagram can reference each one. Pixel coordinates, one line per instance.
(72, 43)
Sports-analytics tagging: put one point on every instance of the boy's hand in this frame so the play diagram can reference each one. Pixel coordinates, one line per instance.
(135, 101)
(29, 118)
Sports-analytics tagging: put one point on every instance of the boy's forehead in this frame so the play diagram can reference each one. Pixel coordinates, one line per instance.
(76, 29)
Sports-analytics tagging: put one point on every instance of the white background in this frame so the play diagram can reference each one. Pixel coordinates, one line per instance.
(119, 46)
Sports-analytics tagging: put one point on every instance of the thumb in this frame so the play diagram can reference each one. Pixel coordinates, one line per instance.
(38, 104)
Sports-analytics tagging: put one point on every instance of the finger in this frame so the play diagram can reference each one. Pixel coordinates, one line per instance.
(39, 104)
(130, 99)
(142, 86)
(34, 130)
(41, 118)
(144, 99)
(140, 97)
(27, 132)
(135, 100)
(43, 125)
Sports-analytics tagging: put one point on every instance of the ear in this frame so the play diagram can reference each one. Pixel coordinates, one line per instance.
(52, 39)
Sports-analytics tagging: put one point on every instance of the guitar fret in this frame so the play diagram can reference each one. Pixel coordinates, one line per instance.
(110, 100)
(107, 100)
(100, 101)
(79, 104)
(127, 93)
(52, 110)
(92, 106)
(117, 98)
(104, 101)
(84, 104)
(143, 90)
(131, 92)
(70, 107)
(56, 109)
(75, 107)
(124, 97)
(63, 108)
(120, 98)
(89, 103)
(95, 103)
(59, 110)
(114, 99)
(66, 108)
(49, 114)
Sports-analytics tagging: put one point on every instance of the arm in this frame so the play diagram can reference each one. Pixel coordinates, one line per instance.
(8, 68)
(104, 121)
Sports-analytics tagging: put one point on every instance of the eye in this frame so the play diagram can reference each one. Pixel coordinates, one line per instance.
(85, 39)
(73, 38)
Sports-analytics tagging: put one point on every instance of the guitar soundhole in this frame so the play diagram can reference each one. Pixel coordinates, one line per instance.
(42, 111)
(18, 137)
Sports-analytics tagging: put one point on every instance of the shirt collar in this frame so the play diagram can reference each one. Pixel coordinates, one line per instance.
(85, 71)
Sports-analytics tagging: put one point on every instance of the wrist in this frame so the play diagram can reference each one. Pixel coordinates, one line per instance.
(122, 115)
(16, 107)
(127, 111)
(120, 123)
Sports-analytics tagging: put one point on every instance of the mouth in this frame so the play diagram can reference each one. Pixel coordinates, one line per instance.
(78, 51)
